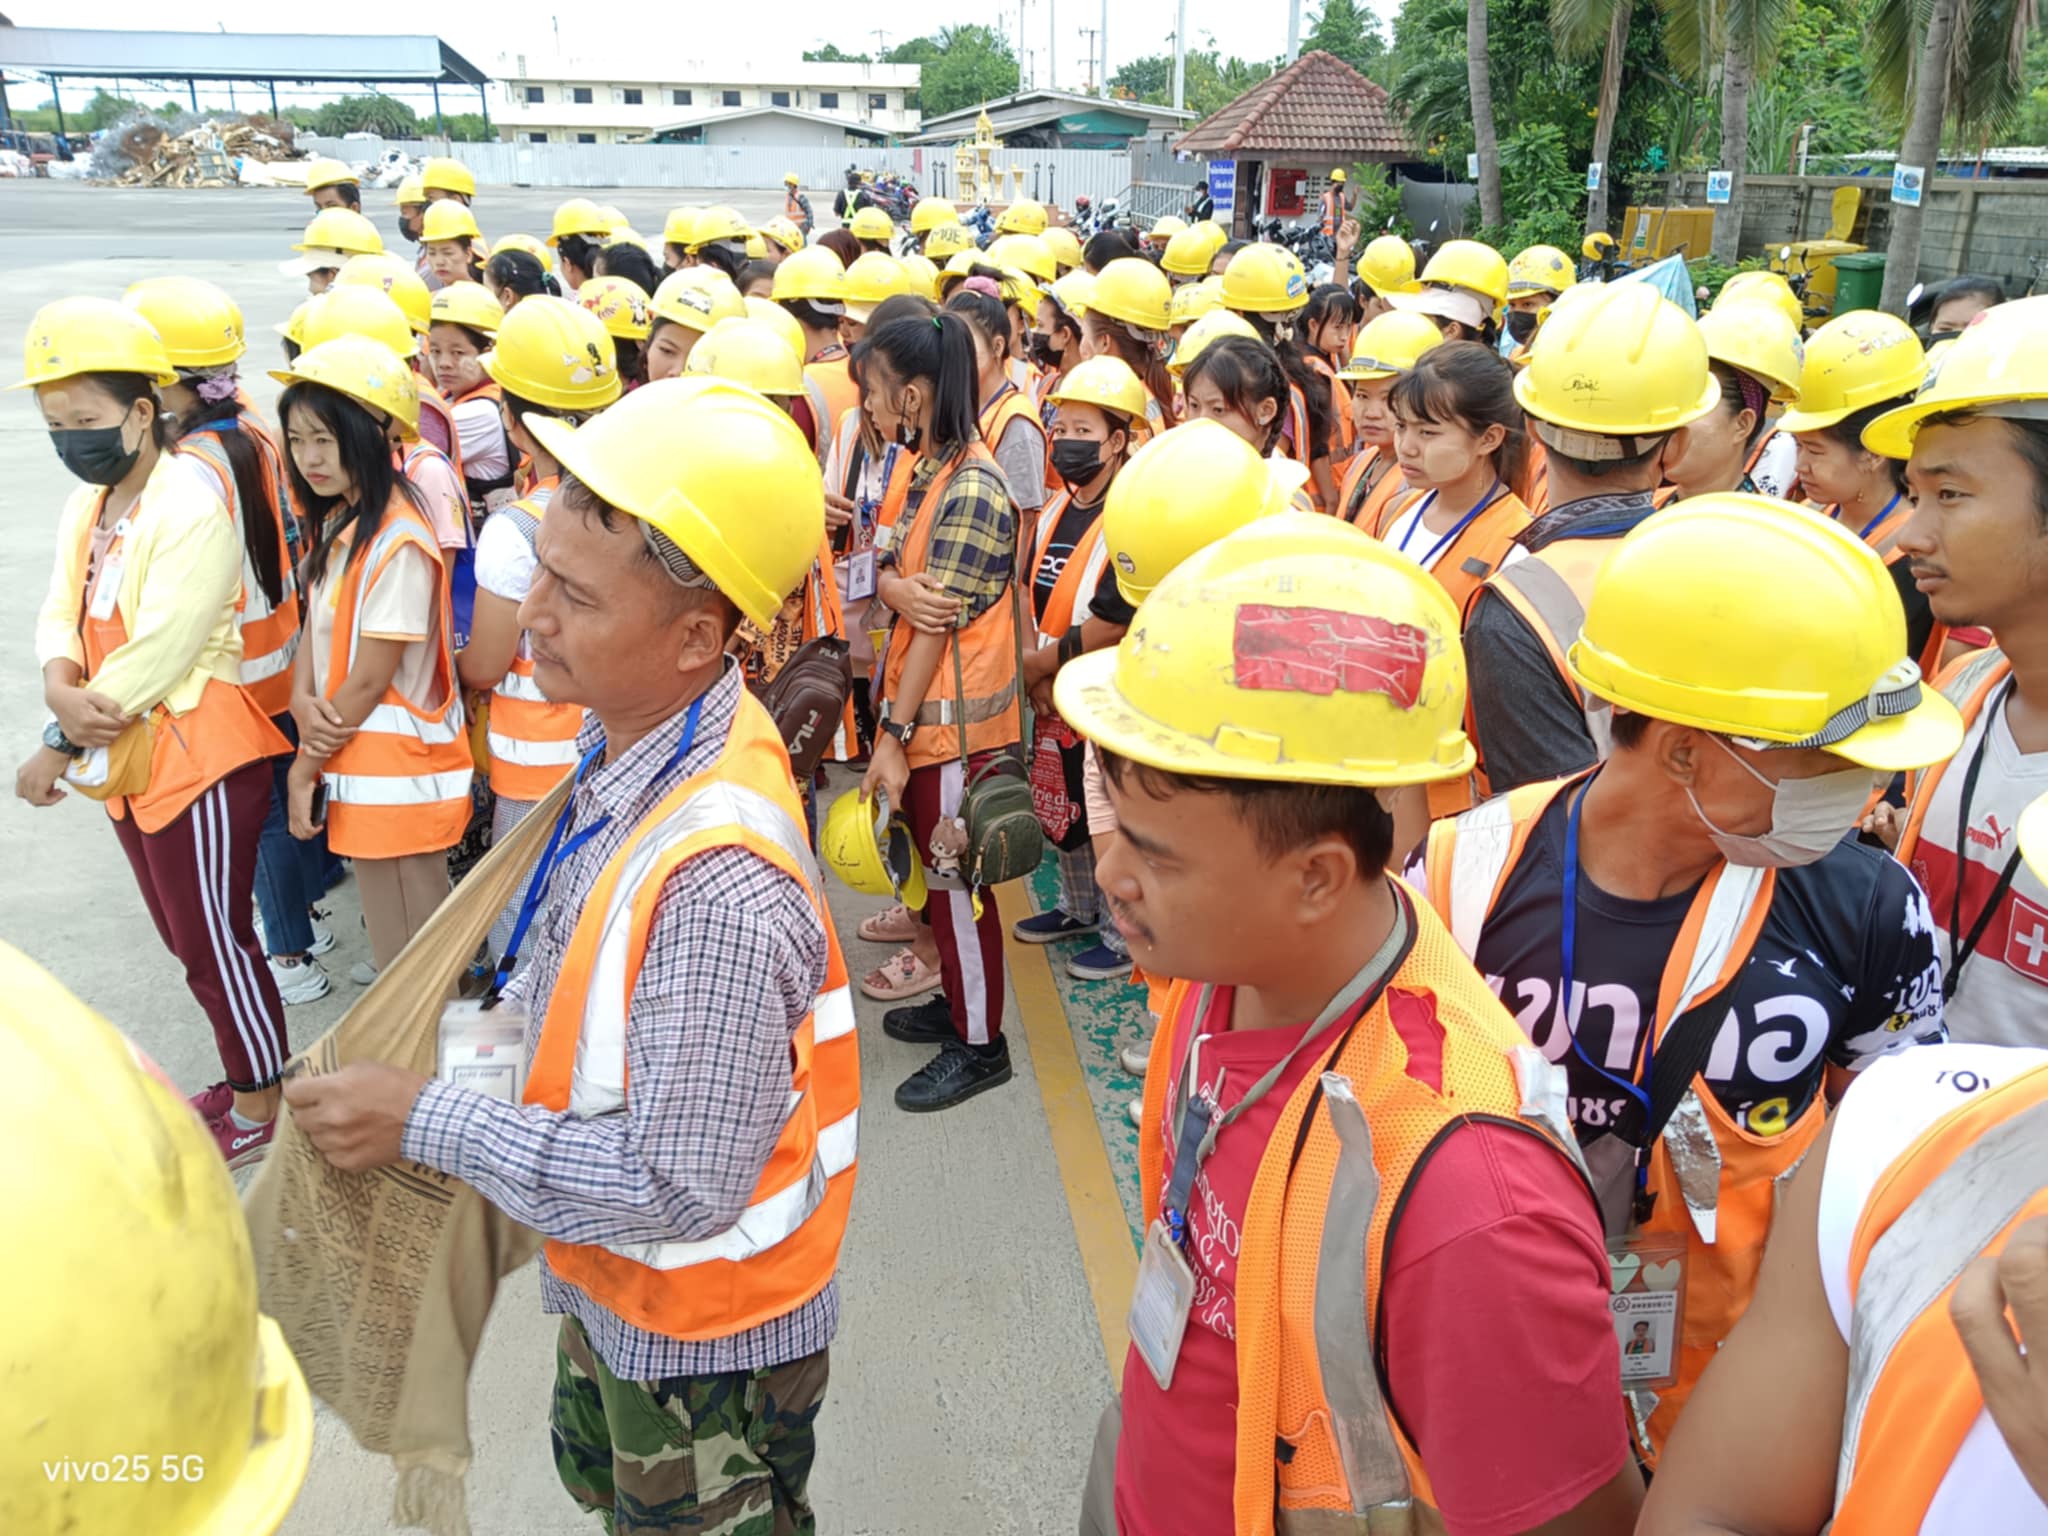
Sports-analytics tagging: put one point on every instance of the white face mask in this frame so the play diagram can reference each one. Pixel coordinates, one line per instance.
(1808, 816)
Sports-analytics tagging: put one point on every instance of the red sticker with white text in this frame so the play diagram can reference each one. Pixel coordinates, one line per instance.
(1326, 650)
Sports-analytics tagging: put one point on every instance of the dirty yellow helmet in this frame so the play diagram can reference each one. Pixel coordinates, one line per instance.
(557, 353)
(1018, 288)
(366, 371)
(1023, 217)
(445, 175)
(719, 223)
(924, 275)
(1065, 246)
(698, 297)
(873, 278)
(948, 241)
(332, 236)
(958, 266)
(1027, 253)
(930, 213)
(1763, 288)
(2033, 837)
(1390, 344)
(1616, 362)
(1190, 251)
(748, 352)
(1191, 301)
(448, 220)
(783, 232)
(1759, 341)
(1997, 366)
(1387, 265)
(579, 216)
(1134, 291)
(1540, 269)
(1296, 650)
(140, 1342)
(330, 173)
(1107, 383)
(872, 851)
(1181, 492)
(1264, 280)
(812, 274)
(200, 325)
(412, 192)
(680, 228)
(779, 320)
(69, 337)
(396, 279)
(870, 223)
(620, 305)
(1469, 264)
(468, 304)
(1196, 339)
(1165, 228)
(537, 249)
(1790, 634)
(1857, 359)
(720, 472)
(357, 310)
(1073, 292)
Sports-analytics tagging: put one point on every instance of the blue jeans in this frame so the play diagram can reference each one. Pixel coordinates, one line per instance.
(290, 875)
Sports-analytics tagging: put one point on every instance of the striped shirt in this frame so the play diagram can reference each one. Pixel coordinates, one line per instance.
(735, 959)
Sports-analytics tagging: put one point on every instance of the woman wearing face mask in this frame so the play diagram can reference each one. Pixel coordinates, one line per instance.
(140, 644)
(1010, 428)
(465, 322)
(1386, 347)
(1754, 353)
(1327, 326)
(1536, 277)
(1129, 313)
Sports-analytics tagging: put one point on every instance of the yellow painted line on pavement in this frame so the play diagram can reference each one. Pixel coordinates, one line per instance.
(1101, 1232)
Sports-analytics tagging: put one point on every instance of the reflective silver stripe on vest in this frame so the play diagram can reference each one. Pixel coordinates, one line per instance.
(269, 665)
(941, 712)
(1564, 615)
(1949, 1223)
(1485, 835)
(517, 685)
(533, 754)
(396, 719)
(398, 789)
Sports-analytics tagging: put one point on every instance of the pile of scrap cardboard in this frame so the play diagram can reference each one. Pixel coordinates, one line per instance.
(205, 156)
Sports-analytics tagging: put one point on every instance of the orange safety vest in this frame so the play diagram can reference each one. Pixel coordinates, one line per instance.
(1968, 683)
(1550, 591)
(1536, 472)
(532, 740)
(400, 785)
(1318, 1447)
(1011, 404)
(1956, 1193)
(1720, 1204)
(1084, 568)
(793, 208)
(270, 631)
(1344, 431)
(1884, 538)
(785, 1246)
(1331, 205)
(832, 390)
(1364, 503)
(994, 707)
(1476, 553)
(481, 490)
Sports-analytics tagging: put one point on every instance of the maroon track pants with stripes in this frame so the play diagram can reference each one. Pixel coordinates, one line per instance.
(198, 877)
(970, 948)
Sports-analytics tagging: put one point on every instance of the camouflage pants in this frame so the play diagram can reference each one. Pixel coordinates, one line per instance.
(723, 1455)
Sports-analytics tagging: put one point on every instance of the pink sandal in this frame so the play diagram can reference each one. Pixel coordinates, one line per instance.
(899, 977)
(891, 925)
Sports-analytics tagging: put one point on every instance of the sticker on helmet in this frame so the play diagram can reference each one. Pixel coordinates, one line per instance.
(1326, 650)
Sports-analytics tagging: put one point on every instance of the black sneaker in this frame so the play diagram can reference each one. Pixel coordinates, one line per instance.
(927, 1023)
(956, 1074)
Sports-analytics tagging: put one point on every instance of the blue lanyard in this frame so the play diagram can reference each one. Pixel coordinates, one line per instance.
(1570, 926)
(557, 851)
(1887, 512)
(1457, 528)
(222, 424)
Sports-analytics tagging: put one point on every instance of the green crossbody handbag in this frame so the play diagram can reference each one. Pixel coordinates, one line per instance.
(1004, 839)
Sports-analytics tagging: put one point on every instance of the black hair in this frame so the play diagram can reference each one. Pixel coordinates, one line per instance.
(841, 244)
(1105, 246)
(632, 358)
(578, 250)
(939, 353)
(1143, 359)
(255, 492)
(726, 256)
(622, 258)
(520, 271)
(126, 389)
(477, 338)
(348, 192)
(1314, 387)
(898, 306)
(988, 315)
(584, 502)
(756, 268)
(809, 316)
(872, 245)
(365, 451)
(1064, 321)
(1327, 303)
(1629, 728)
(1849, 433)
(2029, 441)
(1245, 372)
(1736, 387)
(1282, 816)
(1971, 285)
(1463, 381)
(1226, 250)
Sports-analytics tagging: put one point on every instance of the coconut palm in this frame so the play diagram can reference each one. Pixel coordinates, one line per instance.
(1581, 26)
(1479, 71)
(1729, 41)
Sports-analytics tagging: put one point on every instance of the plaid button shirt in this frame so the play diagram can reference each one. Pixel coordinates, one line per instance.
(735, 959)
(974, 541)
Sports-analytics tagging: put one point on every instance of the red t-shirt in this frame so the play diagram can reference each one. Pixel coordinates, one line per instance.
(1517, 1423)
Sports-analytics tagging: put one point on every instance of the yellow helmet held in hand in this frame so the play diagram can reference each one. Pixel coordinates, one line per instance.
(448, 220)
(722, 473)
(779, 320)
(1134, 291)
(557, 353)
(1065, 246)
(1390, 344)
(1615, 362)
(680, 228)
(148, 1348)
(1206, 330)
(1191, 301)
(948, 241)
(873, 278)
(468, 304)
(1023, 217)
(1387, 265)
(397, 280)
(1997, 366)
(698, 297)
(332, 236)
(930, 213)
(813, 274)
(1107, 383)
(1027, 253)
(200, 325)
(1181, 492)
(537, 249)
(1191, 251)
(748, 352)
(923, 274)
(412, 193)
(620, 304)
(366, 371)
(1858, 359)
(1296, 650)
(1264, 280)
(580, 216)
(1791, 634)
(330, 173)
(1165, 228)
(357, 310)
(719, 223)
(783, 232)
(1540, 269)
(1759, 341)
(872, 851)
(69, 337)
(1763, 288)
(1472, 265)
(445, 175)
(870, 223)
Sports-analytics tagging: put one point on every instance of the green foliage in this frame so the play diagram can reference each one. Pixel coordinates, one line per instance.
(1376, 200)
(1211, 82)
(382, 115)
(1350, 31)
(832, 53)
(1541, 192)
(967, 65)
(469, 128)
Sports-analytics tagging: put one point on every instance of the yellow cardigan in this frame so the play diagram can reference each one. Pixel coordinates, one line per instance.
(181, 585)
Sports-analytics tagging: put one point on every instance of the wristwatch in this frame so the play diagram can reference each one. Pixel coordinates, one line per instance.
(55, 739)
(901, 730)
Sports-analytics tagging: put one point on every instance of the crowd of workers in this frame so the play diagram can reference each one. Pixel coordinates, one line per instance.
(1537, 750)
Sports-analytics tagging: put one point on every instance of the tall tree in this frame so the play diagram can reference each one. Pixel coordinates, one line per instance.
(968, 65)
(1350, 32)
(1212, 82)
(1579, 25)
(1479, 71)
(1725, 44)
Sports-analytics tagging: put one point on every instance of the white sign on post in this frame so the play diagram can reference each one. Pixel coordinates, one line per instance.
(1908, 181)
(1720, 186)
(1595, 169)
(1472, 166)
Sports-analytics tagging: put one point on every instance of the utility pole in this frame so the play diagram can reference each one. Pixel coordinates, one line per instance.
(1180, 57)
(881, 46)
(1091, 34)
(1052, 47)
(1293, 30)
(1103, 89)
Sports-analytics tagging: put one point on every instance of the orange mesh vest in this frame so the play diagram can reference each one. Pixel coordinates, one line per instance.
(1366, 505)
(1318, 1449)
(785, 1246)
(1343, 431)
(1084, 567)
(1536, 474)
(1968, 683)
(532, 741)
(1720, 1201)
(1477, 551)
(1955, 1193)
(270, 631)
(1550, 590)
(835, 390)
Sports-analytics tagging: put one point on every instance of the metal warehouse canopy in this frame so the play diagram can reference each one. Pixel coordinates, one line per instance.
(59, 52)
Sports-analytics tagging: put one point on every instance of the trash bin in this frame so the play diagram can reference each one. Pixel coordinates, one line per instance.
(1859, 281)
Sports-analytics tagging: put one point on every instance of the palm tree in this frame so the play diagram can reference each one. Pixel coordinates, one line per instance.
(1479, 71)
(1733, 39)
(1579, 24)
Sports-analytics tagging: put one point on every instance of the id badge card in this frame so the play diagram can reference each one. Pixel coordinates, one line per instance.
(1647, 1274)
(860, 576)
(1160, 1303)
(106, 588)
(484, 1051)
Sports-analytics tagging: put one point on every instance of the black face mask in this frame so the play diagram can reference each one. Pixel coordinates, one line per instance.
(95, 454)
(1522, 325)
(1043, 352)
(1078, 459)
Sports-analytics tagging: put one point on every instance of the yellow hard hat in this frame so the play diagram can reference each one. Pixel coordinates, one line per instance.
(293, 327)
(1618, 361)
(330, 173)
(719, 223)
(448, 220)
(139, 1341)
(873, 278)
(333, 235)
(1469, 264)
(748, 352)
(1074, 291)
(537, 249)
(1190, 251)
(958, 266)
(578, 216)
(557, 353)
(1212, 327)
(1541, 269)
(1763, 288)
(779, 320)
(620, 304)
(1065, 246)
(1181, 492)
(1027, 253)
(367, 371)
(1790, 632)
(201, 327)
(948, 240)
(792, 179)
(1297, 650)
(1596, 245)
(1340, 174)
(1390, 344)
(698, 297)
(2033, 836)
(397, 280)
(1387, 265)
(1858, 359)
(357, 310)
(681, 225)
(615, 220)
(1134, 291)
(1105, 382)
(1019, 289)
(69, 337)
(757, 245)
(930, 213)
(783, 232)
(870, 223)
(924, 274)
(1264, 280)
(719, 470)
(468, 304)
(870, 850)
(1998, 366)
(411, 192)
(1023, 217)
(1191, 301)
(1165, 228)
(444, 175)
(812, 273)
(1758, 340)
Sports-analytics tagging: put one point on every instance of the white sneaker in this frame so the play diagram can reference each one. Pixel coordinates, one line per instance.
(1136, 1057)
(299, 981)
(362, 973)
(323, 936)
